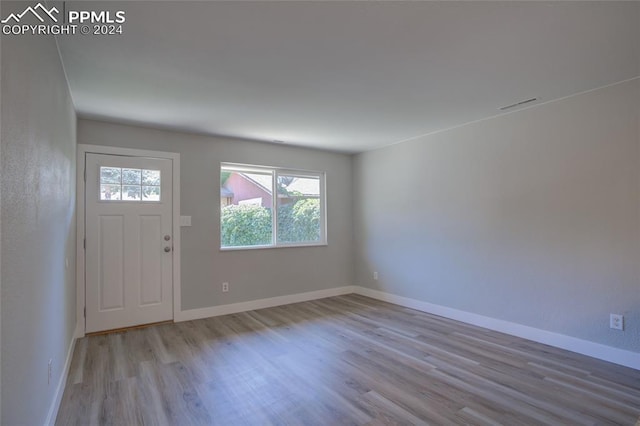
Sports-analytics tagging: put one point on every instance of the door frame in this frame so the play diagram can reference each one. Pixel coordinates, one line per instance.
(83, 150)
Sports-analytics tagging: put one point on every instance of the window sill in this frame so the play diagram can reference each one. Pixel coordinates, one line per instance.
(279, 246)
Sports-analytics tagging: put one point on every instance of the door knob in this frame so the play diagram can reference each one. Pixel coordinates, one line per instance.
(167, 249)
(167, 237)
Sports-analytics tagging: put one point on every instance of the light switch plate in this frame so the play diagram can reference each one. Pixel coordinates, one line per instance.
(185, 220)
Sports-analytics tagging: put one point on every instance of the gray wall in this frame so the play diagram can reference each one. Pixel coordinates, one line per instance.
(252, 274)
(531, 217)
(37, 176)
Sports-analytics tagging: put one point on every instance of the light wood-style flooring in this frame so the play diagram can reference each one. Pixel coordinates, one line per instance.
(347, 360)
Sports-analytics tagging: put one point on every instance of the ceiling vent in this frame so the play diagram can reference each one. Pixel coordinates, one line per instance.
(517, 104)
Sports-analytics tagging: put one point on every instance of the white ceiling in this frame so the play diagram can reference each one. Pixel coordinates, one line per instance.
(348, 76)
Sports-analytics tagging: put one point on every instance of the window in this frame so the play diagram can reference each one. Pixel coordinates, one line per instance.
(270, 207)
(122, 184)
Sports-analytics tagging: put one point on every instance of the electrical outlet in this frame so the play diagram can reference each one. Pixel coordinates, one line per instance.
(225, 287)
(616, 321)
(375, 276)
(49, 367)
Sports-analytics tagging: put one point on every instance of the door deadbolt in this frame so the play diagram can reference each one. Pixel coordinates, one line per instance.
(167, 249)
(167, 237)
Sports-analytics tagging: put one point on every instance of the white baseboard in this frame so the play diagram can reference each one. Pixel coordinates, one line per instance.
(57, 397)
(573, 344)
(214, 311)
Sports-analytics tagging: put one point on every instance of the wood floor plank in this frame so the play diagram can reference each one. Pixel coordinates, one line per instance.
(346, 360)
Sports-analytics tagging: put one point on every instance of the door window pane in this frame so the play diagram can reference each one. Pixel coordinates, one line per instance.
(151, 193)
(109, 192)
(131, 192)
(110, 175)
(131, 176)
(151, 177)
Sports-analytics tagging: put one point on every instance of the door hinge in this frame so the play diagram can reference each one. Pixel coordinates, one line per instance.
(85, 312)
(84, 243)
(85, 174)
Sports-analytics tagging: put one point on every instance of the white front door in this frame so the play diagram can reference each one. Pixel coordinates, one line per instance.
(129, 242)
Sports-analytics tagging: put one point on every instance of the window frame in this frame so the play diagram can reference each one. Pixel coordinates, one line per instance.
(275, 172)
